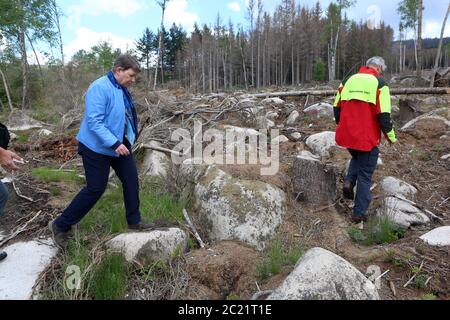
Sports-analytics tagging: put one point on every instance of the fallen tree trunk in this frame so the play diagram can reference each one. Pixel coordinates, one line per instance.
(396, 91)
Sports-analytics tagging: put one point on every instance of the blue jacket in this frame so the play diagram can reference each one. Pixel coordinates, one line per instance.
(103, 125)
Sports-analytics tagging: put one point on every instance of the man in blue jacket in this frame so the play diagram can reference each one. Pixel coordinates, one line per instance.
(107, 132)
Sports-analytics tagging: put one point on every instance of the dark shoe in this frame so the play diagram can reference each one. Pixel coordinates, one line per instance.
(146, 226)
(60, 238)
(348, 190)
(3, 255)
(359, 219)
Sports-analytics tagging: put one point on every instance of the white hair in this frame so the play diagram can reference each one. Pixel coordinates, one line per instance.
(377, 61)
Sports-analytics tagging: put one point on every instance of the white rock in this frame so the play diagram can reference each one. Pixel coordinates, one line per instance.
(438, 237)
(44, 133)
(323, 275)
(296, 136)
(412, 123)
(148, 246)
(395, 109)
(156, 164)
(321, 143)
(293, 117)
(270, 124)
(402, 213)
(20, 271)
(12, 136)
(239, 130)
(446, 157)
(272, 115)
(392, 186)
(320, 110)
(276, 101)
(234, 209)
(433, 101)
(280, 139)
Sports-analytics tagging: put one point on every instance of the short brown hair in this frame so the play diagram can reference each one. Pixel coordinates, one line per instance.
(127, 61)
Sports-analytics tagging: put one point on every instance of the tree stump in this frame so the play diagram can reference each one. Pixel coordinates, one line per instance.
(313, 181)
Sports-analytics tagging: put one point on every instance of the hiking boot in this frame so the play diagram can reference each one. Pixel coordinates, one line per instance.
(358, 219)
(146, 226)
(60, 238)
(348, 190)
(3, 255)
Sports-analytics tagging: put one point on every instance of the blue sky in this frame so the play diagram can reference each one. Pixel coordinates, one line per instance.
(121, 22)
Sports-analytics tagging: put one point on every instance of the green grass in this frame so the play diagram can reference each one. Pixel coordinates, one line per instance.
(278, 256)
(110, 278)
(428, 296)
(22, 137)
(378, 230)
(47, 175)
(108, 215)
(55, 192)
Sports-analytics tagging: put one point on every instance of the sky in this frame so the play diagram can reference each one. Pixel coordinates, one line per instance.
(87, 22)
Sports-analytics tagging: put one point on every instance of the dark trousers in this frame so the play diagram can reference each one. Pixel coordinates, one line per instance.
(360, 172)
(96, 167)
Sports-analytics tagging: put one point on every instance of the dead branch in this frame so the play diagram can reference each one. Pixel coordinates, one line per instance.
(147, 146)
(19, 230)
(197, 236)
(414, 276)
(19, 194)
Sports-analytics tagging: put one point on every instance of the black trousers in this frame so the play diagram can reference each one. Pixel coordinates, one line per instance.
(96, 167)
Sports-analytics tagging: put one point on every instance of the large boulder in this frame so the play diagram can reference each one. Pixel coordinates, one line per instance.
(232, 209)
(147, 247)
(19, 121)
(322, 143)
(320, 110)
(323, 275)
(391, 186)
(20, 271)
(438, 237)
(434, 118)
(275, 101)
(402, 213)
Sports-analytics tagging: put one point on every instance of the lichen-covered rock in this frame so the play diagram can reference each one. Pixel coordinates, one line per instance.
(322, 143)
(320, 110)
(323, 275)
(233, 209)
(147, 247)
(392, 186)
(402, 213)
(293, 118)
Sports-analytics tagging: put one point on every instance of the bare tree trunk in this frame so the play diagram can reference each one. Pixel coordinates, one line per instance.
(438, 54)
(243, 66)
(419, 39)
(162, 4)
(37, 59)
(6, 89)
(23, 49)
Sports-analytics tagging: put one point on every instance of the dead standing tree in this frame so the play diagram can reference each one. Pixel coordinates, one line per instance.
(162, 4)
(438, 54)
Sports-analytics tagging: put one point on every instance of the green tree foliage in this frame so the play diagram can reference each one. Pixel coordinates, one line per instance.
(319, 70)
(146, 49)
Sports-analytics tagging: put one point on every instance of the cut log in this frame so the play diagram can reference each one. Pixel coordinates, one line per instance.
(313, 181)
(394, 91)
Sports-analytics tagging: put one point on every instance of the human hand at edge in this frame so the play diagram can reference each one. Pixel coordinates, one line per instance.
(7, 159)
(123, 150)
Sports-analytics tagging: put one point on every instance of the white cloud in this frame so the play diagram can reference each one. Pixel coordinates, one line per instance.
(432, 29)
(119, 7)
(176, 12)
(86, 39)
(32, 58)
(235, 6)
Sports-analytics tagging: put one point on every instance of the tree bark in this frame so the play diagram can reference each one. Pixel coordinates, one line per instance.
(6, 89)
(419, 39)
(394, 91)
(23, 49)
(438, 54)
(163, 8)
